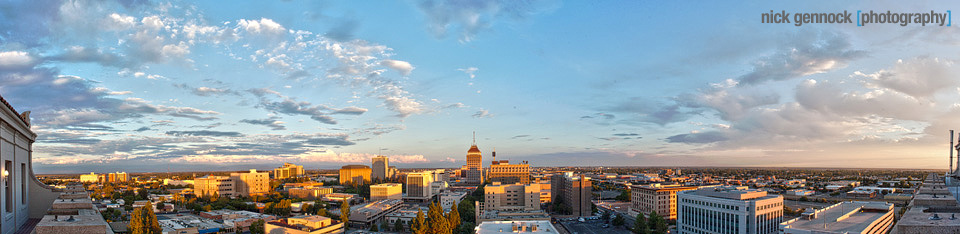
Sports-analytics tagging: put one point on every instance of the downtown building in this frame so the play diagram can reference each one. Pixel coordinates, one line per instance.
(380, 168)
(386, 191)
(473, 171)
(354, 174)
(420, 186)
(288, 170)
(572, 191)
(845, 217)
(237, 184)
(510, 202)
(655, 197)
(728, 209)
(504, 172)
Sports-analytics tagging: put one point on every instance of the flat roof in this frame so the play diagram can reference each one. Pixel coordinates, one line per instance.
(855, 221)
(500, 227)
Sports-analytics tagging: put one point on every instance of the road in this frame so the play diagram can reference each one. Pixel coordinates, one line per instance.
(593, 227)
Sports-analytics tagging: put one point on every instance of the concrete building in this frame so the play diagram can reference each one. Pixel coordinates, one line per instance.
(288, 170)
(237, 184)
(728, 209)
(236, 219)
(89, 178)
(504, 172)
(304, 224)
(309, 192)
(341, 197)
(371, 213)
(386, 191)
(573, 191)
(447, 199)
(380, 168)
(354, 174)
(930, 211)
(72, 212)
(656, 197)
(418, 185)
(500, 227)
(511, 197)
(844, 217)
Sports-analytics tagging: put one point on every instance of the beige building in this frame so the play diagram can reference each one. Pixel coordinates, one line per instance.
(504, 172)
(511, 197)
(304, 224)
(354, 174)
(656, 197)
(728, 209)
(386, 191)
(418, 184)
(573, 191)
(89, 178)
(473, 171)
(288, 170)
(237, 184)
(380, 168)
(309, 192)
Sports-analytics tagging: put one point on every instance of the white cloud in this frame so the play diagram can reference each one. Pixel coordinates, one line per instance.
(919, 77)
(471, 71)
(403, 67)
(119, 22)
(16, 60)
(263, 26)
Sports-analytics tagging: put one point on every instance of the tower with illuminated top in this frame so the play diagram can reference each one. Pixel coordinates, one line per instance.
(474, 167)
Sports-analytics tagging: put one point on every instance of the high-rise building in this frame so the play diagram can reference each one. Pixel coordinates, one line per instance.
(386, 191)
(572, 191)
(656, 197)
(354, 174)
(237, 184)
(845, 217)
(511, 197)
(728, 209)
(288, 170)
(381, 168)
(504, 172)
(89, 178)
(473, 171)
(418, 184)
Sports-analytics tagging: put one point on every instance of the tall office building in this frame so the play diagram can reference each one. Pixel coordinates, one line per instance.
(381, 168)
(504, 172)
(89, 178)
(573, 191)
(354, 174)
(656, 197)
(473, 171)
(418, 184)
(213, 186)
(288, 170)
(386, 191)
(251, 183)
(728, 209)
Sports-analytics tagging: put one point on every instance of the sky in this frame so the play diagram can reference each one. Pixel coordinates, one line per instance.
(138, 85)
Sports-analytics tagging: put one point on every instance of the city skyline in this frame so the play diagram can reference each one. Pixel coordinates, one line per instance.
(143, 86)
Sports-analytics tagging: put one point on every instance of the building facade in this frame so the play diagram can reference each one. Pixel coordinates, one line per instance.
(237, 184)
(288, 170)
(354, 174)
(386, 191)
(381, 168)
(23, 196)
(473, 171)
(304, 224)
(511, 197)
(655, 197)
(573, 191)
(504, 172)
(89, 178)
(418, 184)
(728, 209)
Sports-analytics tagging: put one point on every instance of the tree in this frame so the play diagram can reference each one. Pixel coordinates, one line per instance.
(144, 221)
(373, 228)
(438, 223)
(624, 195)
(466, 211)
(619, 221)
(136, 222)
(657, 222)
(257, 227)
(419, 225)
(345, 212)
(398, 225)
(640, 225)
(454, 217)
(151, 219)
(384, 226)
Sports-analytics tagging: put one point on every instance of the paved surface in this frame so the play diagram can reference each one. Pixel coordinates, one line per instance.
(593, 227)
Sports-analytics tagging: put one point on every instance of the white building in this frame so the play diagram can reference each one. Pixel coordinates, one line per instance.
(500, 227)
(728, 209)
(23, 195)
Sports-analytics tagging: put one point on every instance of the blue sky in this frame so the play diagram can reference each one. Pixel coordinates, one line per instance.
(186, 86)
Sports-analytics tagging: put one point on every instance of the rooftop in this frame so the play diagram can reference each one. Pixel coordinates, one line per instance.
(500, 227)
(732, 192)
(844, 217)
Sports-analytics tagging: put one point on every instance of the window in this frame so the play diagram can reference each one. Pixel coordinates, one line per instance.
(23, 183)
(8, 186)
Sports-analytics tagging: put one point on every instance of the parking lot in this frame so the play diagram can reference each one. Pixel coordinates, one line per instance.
(593, 227)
